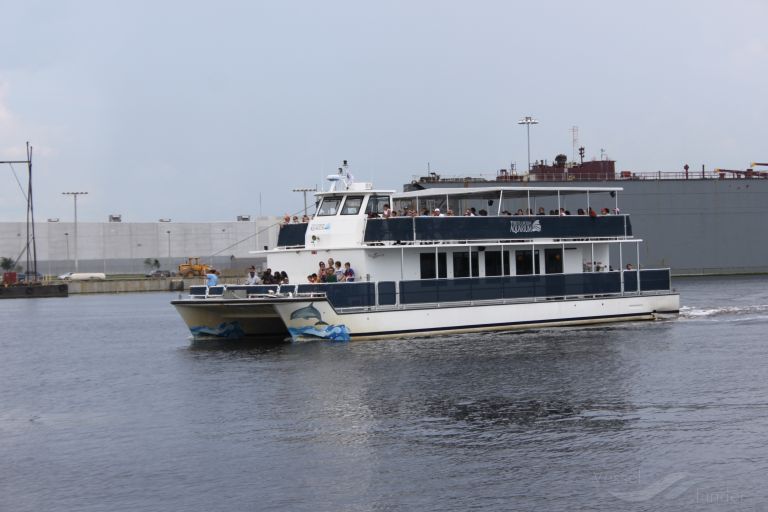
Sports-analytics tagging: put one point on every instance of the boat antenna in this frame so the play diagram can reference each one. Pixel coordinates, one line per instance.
(343, 176)
(348, 178)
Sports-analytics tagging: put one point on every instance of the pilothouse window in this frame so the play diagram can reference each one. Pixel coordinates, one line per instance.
(352, 205)
(329, 206)
(376, 205)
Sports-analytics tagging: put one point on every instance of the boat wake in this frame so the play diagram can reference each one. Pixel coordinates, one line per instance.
(750, 311)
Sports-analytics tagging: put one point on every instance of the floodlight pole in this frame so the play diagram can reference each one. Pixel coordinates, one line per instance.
(528, 121)
(168, 232)
(74, 195)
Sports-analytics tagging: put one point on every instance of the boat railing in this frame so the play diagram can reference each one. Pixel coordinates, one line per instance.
(578, 176)
(418, 230)
(409, 294)
(414, 230)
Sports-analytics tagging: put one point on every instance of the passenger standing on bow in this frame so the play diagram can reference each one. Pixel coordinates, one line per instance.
(338, 272)
(252, 278)
(349, 274)
(212, 278)
(321, 272)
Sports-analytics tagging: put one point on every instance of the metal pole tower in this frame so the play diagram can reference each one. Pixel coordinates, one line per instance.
(74, 195)
(168, 232)
(30, 246)
(575, 141)
(528, 121)
(305, 190)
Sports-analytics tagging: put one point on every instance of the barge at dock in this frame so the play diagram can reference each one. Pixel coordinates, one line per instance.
(695, 222)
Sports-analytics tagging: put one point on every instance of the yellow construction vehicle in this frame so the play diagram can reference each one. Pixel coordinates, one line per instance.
(192, 267)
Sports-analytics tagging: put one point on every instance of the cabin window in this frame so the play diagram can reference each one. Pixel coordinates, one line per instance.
(376, 205)
(524, 263)
(329, 206)
(427, 264)
(461, 264)
(493, 266)
(352, 205)
(553, 261)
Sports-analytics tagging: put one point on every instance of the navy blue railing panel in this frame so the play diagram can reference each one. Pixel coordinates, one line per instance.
(291, 235)
(516, 227)
(387, 293)
(522, 287)
(650, 280)
(415, 292)
(487, 288)
(344, 295)
(594, 283)
(630, 280)
(215, 290)
(389, 230)
(495, 228)
(654, 280)
(197, 290)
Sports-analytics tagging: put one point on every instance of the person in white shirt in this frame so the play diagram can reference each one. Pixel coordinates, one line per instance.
(252, 278)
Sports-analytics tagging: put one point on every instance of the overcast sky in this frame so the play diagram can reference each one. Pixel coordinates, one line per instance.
(197, 110)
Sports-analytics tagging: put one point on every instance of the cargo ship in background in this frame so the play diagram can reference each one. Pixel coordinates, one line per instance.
(693, 221)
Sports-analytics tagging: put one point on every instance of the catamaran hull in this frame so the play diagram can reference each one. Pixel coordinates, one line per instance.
(317, 319)
(231, 319)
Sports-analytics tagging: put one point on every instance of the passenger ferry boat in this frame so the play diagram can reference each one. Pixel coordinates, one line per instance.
(437, 273)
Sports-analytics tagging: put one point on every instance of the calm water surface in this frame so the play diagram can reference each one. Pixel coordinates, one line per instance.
(105, 405)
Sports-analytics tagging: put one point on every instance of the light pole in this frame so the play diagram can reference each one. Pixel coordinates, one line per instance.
(66, 237)
(528, 121)
(74, 195)
(169, 249)
(305, 190)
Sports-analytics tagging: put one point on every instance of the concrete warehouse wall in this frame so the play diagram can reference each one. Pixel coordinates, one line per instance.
(122, 247)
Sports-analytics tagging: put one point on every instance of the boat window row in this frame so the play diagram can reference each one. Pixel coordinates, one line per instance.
(497, 263)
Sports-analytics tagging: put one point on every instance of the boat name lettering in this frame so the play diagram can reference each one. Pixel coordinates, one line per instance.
(525, 226)
(320, 227)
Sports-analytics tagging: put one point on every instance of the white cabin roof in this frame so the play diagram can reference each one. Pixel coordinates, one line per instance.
(354, 192)
(493, 192)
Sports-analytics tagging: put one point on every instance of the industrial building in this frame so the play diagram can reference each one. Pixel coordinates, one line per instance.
(117, 247)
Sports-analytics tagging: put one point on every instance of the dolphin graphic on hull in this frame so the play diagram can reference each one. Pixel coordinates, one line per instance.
(306, 313)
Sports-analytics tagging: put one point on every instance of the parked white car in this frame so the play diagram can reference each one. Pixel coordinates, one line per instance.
(83, 276)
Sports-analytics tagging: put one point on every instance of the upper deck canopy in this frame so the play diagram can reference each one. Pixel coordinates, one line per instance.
(507, 192)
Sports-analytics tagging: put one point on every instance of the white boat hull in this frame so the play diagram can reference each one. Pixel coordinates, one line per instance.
(231, 319)
(318, 319)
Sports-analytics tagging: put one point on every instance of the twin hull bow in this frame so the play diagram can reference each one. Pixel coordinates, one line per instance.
(302, 318)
